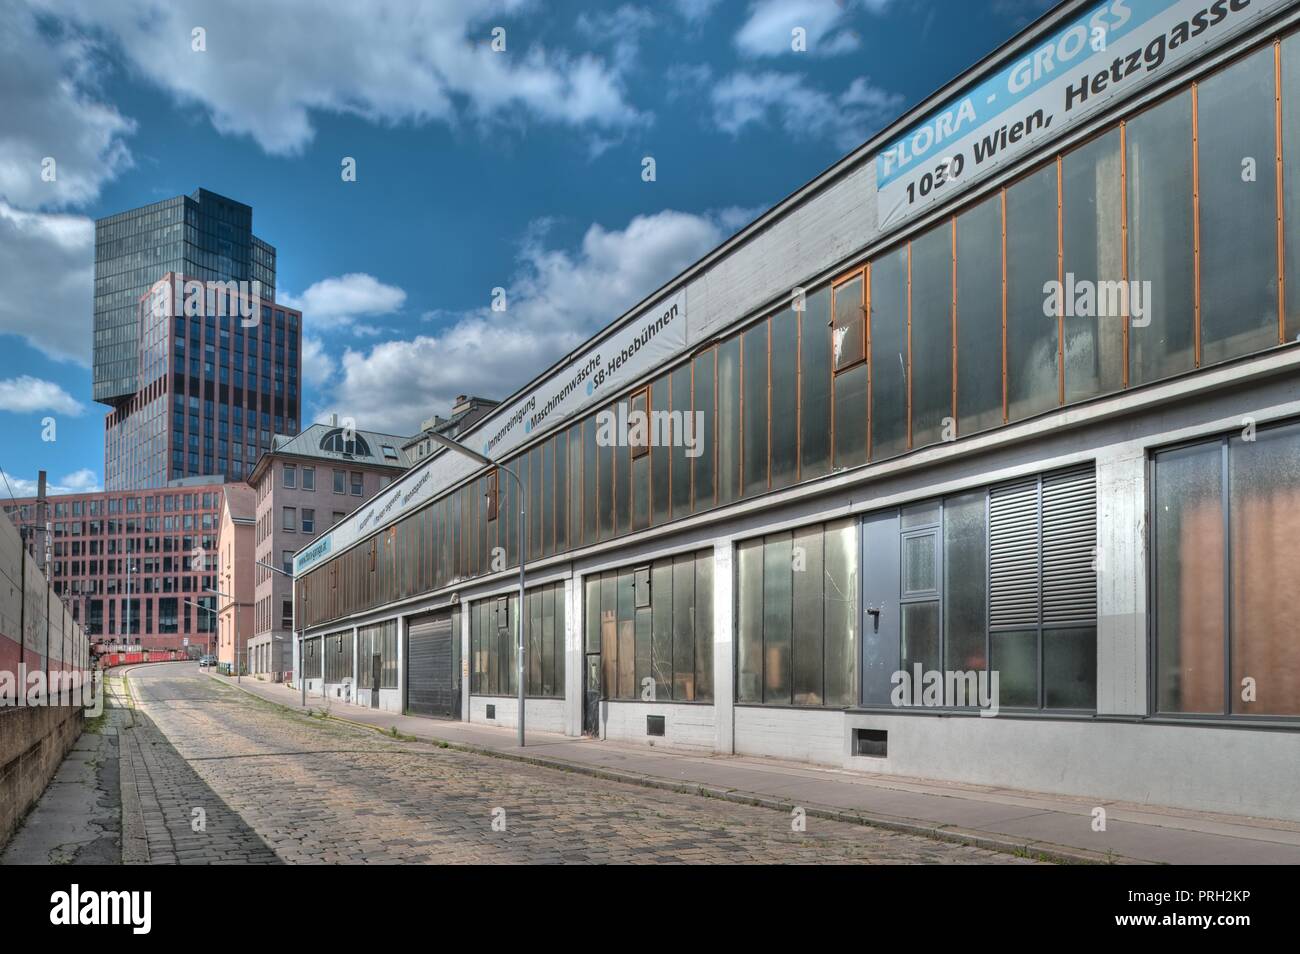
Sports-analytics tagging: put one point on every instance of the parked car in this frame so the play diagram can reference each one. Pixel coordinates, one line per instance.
(208, 660)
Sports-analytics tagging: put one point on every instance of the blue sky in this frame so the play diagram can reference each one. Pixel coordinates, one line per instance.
(476, 168)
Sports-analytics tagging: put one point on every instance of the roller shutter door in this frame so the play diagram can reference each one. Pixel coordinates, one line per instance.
(432, 683)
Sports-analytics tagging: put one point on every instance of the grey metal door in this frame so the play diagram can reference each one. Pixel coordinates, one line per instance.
(880, 606)
(376, 678)
(432, 682)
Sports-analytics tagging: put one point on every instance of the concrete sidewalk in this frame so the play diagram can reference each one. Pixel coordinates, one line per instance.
(1053, 826)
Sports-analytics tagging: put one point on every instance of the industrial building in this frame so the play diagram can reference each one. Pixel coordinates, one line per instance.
(974, 459)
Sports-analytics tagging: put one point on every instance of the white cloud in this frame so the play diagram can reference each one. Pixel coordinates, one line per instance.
(803, 111)
(337, 302)
(268, 66)
(26, 394)
(557, 300)
(51, 110)
(317, 366)
(768, 29)
(693, 11)
(82, 481)
(47, 260)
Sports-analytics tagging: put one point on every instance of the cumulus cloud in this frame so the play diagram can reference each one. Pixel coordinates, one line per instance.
(268, 67)
(557, 300)
(82, 481)
(339, 301)
(47, 260)
(26, 394)
(768, 29)
(800, 109)
(317, 366)
(52, 111)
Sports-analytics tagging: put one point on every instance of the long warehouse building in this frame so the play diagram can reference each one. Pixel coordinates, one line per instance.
(977, 458)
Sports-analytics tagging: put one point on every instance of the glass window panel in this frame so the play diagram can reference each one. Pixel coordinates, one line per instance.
(1032, 360)
(661, 649)
(561, 449)
(576, 480)
(704, 626)
(1265, 521)
(605, 494)
(920, 563)
(848, 333)
(591, 609)
(931, 335)
(1237, 122)
(536, 652)
(809, 575)
(627, 636)
(623, 484)
(840, 541)
(661, 451)
(644, 639)
(1092, 233)
(785, 397)
(777, 617)
(704, 463)
(683, 629)
(965, 581)
(749, 622)
(755, 409)
(920, 637)
(1291, 177)
(546, 459)
(979, 317)
(815, 385)
(889, 354)
(685, 432)
(920, 515)
(1189, 565)
(609, 634)
(1159, 175)
(728, 421)
(591, 502)
(850, 426)
(1070, 668)
(1015, 658)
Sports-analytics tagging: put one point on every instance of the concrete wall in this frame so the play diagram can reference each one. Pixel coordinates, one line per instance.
(543, 715)
(33, 741)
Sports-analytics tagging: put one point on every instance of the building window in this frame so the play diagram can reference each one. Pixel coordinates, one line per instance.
(797, 617)
(381, 641)
(290, 476)
(357, 484)
(286, 608)
(1224, 570)
(493, 644)
(639, 412)
(308, 520)
(290, 518)
(286, 561)
(340, 482)
(338, 657)
(653, 629)
(309, 478)
(338, 517)
(492, 495)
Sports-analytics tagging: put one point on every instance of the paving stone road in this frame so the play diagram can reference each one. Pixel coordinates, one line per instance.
(275, 785)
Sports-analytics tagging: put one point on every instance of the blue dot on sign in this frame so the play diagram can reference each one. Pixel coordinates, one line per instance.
(589, 387)
(528, 427)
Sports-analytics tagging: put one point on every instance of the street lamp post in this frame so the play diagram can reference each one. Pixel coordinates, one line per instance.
(302, 634)
(486, 461)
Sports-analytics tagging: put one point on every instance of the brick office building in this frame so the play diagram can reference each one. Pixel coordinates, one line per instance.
(134, 567)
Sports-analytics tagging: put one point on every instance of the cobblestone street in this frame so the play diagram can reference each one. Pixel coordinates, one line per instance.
(273, 785)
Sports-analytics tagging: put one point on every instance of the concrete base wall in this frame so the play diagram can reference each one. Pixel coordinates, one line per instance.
(685, 727)
(544, 715)
(33, 741)
(1232, 770)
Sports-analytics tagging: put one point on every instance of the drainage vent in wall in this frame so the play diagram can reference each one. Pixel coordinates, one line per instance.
(491, 712)
(872, 742)
(654, 725)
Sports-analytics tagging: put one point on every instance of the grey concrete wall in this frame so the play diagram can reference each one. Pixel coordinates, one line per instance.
(33, 741)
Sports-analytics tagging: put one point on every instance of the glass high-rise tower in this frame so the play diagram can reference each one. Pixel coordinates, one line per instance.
(195, 390)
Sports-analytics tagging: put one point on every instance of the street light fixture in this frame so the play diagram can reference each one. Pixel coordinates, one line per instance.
(302, 636)
(486, 461)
